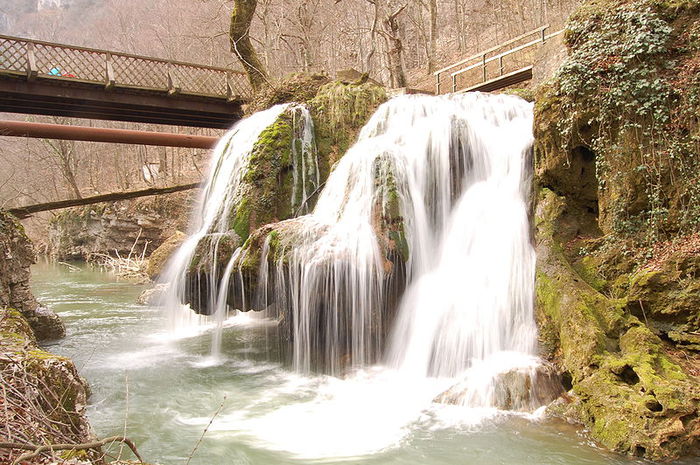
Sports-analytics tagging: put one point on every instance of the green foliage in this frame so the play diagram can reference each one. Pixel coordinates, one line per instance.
(630, 92)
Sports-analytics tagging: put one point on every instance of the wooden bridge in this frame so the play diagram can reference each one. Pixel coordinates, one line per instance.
(45, 78)
(501, 66)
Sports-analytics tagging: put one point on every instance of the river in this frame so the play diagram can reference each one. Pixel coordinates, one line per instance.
(164, 391)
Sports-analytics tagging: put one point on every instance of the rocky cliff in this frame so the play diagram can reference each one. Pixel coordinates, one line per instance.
(16, 256)
(618, 216)
(118, 227)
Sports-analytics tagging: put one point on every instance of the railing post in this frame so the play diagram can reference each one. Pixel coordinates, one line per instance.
(454, 83)
(543, 34)
(229, 87)
(173, 84)
(483, 65)
(110, 80)
(32, 70)
(500, 64)
(437, 84)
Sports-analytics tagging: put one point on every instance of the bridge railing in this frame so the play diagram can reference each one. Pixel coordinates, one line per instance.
(505, 58)
(38, 59)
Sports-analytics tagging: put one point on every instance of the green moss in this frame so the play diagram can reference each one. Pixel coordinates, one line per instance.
(525, 94)
(627, 390)
(339, 112)
(587, 268)
(241, 219)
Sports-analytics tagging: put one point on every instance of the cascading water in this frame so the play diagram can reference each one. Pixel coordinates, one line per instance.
(456, 168)
(211, 222)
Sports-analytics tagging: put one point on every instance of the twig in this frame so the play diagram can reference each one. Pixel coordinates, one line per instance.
(196, 446)
(52, 447)
(643, 313)
(71, 268)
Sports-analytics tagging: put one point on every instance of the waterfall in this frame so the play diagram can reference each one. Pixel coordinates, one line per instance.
(472, 295)
(422, 226)
(211, 222)
(457, 169)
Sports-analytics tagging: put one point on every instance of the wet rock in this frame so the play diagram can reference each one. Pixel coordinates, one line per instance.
(45, 323)
(159, 258)
(519, 389)
(153, 295)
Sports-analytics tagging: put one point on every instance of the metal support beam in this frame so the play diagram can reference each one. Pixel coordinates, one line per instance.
(120, 136)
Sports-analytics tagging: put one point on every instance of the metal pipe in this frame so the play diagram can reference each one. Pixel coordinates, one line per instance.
(119, 136)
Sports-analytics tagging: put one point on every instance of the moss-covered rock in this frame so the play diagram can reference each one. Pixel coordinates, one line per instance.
(340, 110)
(159, 258)
(297, 88)
(45, 396)
(281, 161)
(668, 296)
(616, 127)
(625, 387)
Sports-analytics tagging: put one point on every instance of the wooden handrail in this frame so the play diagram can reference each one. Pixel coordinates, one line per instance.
(487, 51)
(483, 60)
(120, 54)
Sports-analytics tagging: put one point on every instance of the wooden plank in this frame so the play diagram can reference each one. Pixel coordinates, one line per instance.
(516, 77)
(24, 212)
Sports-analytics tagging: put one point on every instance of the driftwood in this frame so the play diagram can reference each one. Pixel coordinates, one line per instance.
(24, 212)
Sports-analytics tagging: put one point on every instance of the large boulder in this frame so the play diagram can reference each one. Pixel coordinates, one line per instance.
(159, 258)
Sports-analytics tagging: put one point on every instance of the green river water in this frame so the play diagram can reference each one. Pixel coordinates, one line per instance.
(164, 392)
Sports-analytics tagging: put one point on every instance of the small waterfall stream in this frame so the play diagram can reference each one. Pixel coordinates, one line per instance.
(211, 222)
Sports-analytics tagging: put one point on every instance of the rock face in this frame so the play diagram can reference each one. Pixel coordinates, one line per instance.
(45, 397)
(79, 233)
(621, 115)
(627, 389)
(16, 256)
(618, 215)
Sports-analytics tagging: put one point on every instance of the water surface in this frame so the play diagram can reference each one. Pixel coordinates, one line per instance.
(164, 392)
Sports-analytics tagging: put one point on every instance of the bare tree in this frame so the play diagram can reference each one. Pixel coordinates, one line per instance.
(239, 34)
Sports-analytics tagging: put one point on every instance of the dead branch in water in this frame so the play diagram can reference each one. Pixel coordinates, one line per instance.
(131, 267)
(38, 450)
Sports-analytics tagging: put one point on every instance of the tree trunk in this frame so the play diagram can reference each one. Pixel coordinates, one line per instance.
(239, 36)
(432, 49)
(395, 49)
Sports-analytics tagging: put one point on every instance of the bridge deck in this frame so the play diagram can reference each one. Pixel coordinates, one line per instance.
(39, 77)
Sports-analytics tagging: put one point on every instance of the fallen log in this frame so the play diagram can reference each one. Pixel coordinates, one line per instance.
(24, 212)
